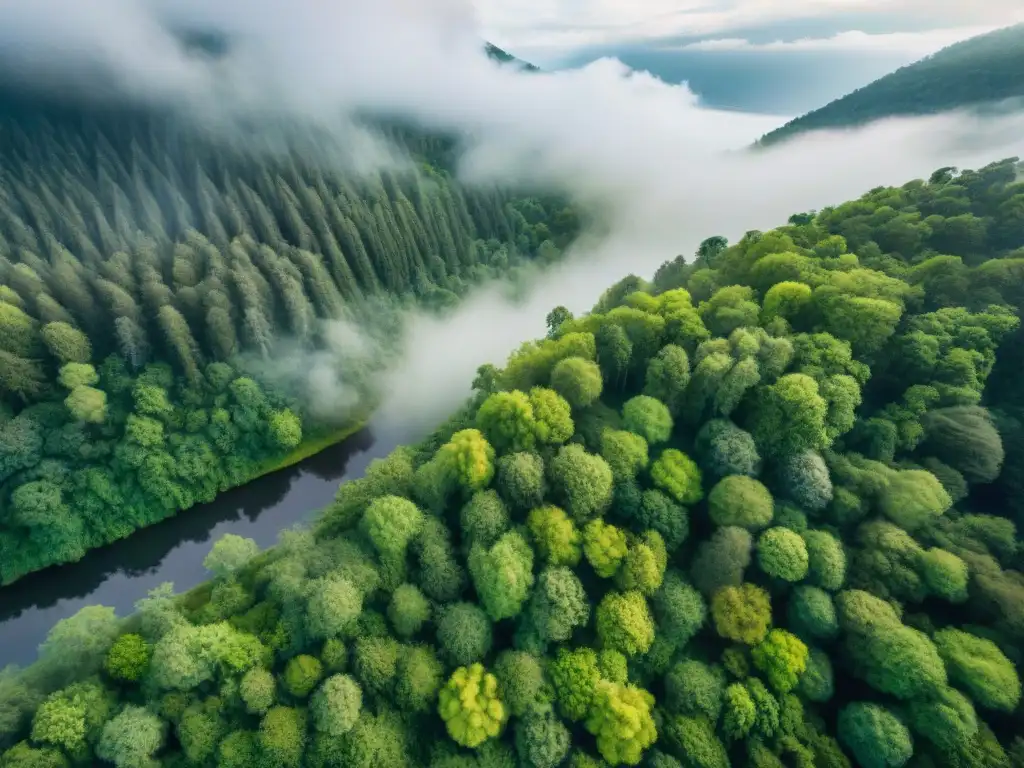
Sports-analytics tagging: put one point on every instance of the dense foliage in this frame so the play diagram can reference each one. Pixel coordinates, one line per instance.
(139, 260)
(976, 72)
(784, 562)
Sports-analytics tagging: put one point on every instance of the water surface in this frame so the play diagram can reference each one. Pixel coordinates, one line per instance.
(173, 550)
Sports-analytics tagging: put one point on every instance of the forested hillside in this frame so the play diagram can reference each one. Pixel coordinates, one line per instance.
(146, 270)
(756, 512)
(983, 70)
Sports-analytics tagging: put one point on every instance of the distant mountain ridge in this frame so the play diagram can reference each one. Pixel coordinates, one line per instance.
(981, 71)
(505, 57)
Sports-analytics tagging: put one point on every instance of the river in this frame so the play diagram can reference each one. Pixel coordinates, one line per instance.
(173, 550)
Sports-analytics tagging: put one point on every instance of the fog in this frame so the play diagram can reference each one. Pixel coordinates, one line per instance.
(658, 172)
(688, 196)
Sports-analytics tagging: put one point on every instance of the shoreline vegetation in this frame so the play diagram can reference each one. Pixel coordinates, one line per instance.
(759, 510)
(311, 446)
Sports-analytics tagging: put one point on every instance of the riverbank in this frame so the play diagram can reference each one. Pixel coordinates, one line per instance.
(120, 574)
(319, 440)
(307, 448)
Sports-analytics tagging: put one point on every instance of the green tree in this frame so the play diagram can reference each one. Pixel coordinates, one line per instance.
(132, 738)
(508, 422)
(336, 705)
(578, 380)
(282, 737)
(826, 560)
(625, 452)
(408, 610)
(471, 459)
(782, 553)
(945, 574)
(668, 375)
(679, 608)
(542, 741)
(966, 438)
(740, 501)
(420, 675)
(624, 623)
(742, 613)
(721, 560)
(333, 606)
(558, 604)
(948, 720)
(790, 417)
(73, 375)
(574, 675)
(521, 682)
(812, 614)
(693, 739)
(913, 498)
(805, 479)
(484, 518)
(258, 690)
(285, 430)
(229, 554)
(470, 706)
(694, 688)
(128, 658)
(503, 575)
(555, 538)
(301, 675)
(782, 657)
(605, 547)
(621, 719)
(724, 449)
(788, 300)
(874, 735)
(978, 665)
(391, 522)
(644, 565)
(649, 418)
(521, 480)
(739, 711)
(678, 475)
(553, 415)
(87, 404)
(728, 309)
(66, 343)
(464, 633)
(581, 481)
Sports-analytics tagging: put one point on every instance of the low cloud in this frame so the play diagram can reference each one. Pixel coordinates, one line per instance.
(679, 185)
(329, 380)
(913, 43)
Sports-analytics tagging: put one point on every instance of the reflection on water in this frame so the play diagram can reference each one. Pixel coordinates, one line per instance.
(173, 550)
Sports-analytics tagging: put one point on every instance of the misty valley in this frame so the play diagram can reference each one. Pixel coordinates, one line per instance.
(757, 505)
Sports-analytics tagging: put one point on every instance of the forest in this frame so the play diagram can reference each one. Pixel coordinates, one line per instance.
(981, 71)
(150, 274)
(760, 510)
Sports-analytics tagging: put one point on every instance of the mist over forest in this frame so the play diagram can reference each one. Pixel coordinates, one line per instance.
(715, 451)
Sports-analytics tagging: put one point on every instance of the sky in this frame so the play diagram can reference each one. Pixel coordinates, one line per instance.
(782, 57)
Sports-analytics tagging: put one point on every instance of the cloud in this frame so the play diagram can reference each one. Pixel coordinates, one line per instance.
(678, 186)
(658, 172)
(916, 43)
(547, 28)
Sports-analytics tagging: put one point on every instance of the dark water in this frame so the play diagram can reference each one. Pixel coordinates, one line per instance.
(173, 550)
